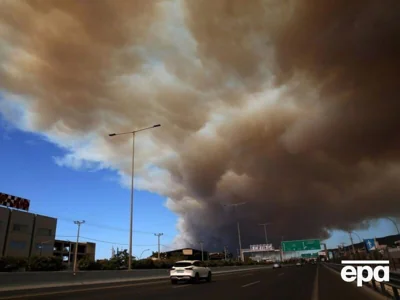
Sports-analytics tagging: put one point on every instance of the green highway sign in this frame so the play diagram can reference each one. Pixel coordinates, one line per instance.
(309, 255)
(302, 245)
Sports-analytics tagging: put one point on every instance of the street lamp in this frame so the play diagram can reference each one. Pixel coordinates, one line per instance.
(140, 257)
(235, 205)
(265, 231)
(133, 174)
(361, 240)
(395, 224)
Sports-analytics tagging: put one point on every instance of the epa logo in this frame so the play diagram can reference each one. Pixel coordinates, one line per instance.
(365, 273)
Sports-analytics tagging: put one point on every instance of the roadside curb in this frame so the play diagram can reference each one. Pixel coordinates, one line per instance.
(121, 280)
(366, 289)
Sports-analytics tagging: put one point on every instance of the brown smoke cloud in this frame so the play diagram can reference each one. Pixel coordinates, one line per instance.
(290, 106)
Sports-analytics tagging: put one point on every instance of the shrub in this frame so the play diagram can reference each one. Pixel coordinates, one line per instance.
(41, 263)
(87, 264)
(9, 264)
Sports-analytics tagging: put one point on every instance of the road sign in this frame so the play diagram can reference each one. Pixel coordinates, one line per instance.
(370, 244)
(302, 245)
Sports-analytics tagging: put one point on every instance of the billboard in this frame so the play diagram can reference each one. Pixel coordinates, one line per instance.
(187, 252)
(14, 201)
(262, 247)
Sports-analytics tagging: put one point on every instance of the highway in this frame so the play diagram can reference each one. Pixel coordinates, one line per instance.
(309, 282)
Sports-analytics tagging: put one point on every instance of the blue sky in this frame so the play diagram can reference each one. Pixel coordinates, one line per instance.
(29, 170)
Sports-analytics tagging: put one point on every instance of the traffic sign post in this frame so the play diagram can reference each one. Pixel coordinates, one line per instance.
(301, 245)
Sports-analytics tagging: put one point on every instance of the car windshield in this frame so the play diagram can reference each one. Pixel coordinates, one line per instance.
(182, 264)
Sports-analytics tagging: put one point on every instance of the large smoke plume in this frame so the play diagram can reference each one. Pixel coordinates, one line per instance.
(290, 106)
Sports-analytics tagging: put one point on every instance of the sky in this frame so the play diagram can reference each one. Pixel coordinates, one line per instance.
(29, 170)
(289, 106)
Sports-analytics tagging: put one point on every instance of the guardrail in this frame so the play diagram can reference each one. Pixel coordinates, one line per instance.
(12, 281)
(388, 289)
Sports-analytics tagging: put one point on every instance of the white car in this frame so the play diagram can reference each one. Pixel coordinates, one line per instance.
(276, 266)
(189, 270)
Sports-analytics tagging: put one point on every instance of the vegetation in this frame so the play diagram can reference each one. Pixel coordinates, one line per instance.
(37, 263)
(118, 262)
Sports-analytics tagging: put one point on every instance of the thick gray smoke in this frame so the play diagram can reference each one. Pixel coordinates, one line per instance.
(290, 106)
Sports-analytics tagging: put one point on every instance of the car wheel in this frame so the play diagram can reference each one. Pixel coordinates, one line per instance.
(196, 278)
(209, 277)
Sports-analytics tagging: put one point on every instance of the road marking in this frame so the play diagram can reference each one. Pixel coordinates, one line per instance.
(281, 274)
(315, 294)
(249, 284)
(182, 286)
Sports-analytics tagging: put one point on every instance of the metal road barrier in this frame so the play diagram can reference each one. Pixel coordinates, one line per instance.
(388, 289)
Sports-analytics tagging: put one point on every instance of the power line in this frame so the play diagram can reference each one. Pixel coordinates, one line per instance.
(115, 243)
(115, 228)
(102, 226)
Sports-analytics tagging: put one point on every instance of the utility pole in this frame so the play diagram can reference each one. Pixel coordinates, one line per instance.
(202, 252)
(281, 252)
(240, 242)
(265, 232)
(79, 223)
(352, 244)
(158, 235)
(235, 205)
(225, 252)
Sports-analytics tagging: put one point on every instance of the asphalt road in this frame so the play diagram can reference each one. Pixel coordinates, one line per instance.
(309, 282)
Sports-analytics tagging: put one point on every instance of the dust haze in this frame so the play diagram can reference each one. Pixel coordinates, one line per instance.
(290, 106)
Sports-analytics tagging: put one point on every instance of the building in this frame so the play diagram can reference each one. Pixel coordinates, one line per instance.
(23, 234)
(66, 250)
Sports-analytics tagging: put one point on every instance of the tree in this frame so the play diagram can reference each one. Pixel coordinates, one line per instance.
(121, 259)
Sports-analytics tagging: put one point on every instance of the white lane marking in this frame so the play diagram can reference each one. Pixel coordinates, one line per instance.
(315, 294)
(249, 284)
(246, 275)
(281, 274)
(181, 286)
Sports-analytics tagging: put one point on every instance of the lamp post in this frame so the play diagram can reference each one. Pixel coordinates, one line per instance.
(235, 205)
(140, 257)
(357, 236)
(133, 175)
(265, 231)
(395, 224)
